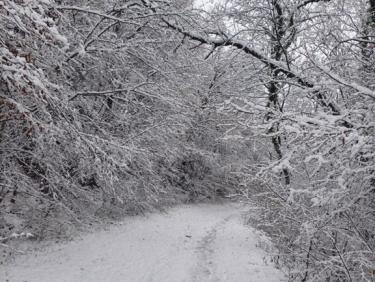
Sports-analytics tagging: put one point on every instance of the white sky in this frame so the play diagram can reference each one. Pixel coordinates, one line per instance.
(206, 4)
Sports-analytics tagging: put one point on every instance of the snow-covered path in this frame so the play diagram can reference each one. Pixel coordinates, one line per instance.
(190, 243)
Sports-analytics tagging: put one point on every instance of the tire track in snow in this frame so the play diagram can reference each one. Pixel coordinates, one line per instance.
(229, 252)
(205, 269)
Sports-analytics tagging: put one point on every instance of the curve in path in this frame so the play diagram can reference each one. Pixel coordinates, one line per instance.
(197, 243)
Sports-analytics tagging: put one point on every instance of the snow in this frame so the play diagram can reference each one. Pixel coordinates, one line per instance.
(189, 243)
(360, 88)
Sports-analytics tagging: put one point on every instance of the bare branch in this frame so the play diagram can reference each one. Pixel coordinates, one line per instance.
(97, 13)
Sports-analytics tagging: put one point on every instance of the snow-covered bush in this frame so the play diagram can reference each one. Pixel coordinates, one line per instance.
(92, 97)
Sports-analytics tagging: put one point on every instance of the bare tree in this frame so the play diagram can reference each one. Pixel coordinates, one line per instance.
(321, 104)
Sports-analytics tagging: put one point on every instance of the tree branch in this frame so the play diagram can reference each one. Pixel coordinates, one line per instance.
(274, 65)
(97, 13)
(107, 92)
(307, 2)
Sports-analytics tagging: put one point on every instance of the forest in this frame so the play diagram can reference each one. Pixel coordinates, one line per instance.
(119, 107)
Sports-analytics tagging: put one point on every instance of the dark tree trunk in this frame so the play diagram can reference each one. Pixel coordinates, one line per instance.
(277, 51)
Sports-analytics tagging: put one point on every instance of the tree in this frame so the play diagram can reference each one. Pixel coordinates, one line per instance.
(120, 105)
(318, 101)
(96, 101)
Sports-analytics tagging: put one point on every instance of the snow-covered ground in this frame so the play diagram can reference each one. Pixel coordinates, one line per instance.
(190, 243)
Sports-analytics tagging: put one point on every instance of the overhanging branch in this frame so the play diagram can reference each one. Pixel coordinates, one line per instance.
(272, 64)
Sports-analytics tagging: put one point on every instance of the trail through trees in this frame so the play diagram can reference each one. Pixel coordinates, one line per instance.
(191, 243)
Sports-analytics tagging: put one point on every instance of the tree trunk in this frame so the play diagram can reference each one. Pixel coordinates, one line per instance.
(273, 87)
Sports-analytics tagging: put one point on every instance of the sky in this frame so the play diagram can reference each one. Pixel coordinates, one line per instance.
(206, 4)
